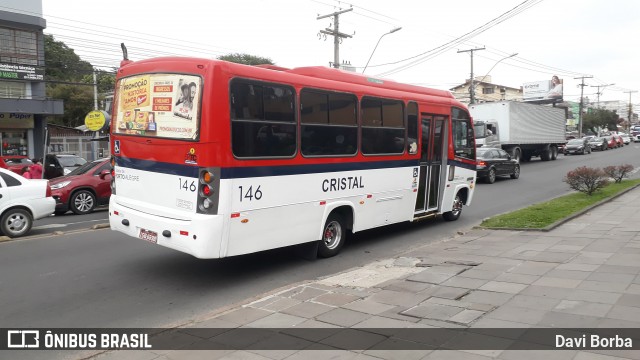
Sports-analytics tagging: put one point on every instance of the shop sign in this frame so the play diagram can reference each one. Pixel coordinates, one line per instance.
(16, 121)
(95, 120)
(21, 72)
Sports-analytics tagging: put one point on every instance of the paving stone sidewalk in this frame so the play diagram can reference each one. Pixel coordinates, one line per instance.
(583, 274)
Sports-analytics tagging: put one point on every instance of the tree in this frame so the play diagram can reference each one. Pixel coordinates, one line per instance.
(71, 79)
(246, 59)
(600, 118)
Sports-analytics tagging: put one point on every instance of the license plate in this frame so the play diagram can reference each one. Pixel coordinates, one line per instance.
(148, 235)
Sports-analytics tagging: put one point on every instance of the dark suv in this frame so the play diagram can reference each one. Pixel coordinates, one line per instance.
(56, 165)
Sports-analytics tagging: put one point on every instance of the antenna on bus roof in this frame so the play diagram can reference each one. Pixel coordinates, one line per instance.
(125, 56)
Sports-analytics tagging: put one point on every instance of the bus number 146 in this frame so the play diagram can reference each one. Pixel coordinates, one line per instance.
(184, 185)
(250, 193)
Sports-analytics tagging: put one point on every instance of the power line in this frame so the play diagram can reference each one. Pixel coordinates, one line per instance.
(419, 58)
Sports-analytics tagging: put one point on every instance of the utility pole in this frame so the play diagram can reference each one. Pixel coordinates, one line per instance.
(582, 85)
(598, 93)
(95, 91)
(335, 32)
(472, 90)
(630, 109)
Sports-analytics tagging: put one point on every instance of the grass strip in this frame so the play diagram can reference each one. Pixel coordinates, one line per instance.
(539, 216)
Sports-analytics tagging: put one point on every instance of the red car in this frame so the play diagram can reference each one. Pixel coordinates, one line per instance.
(611, 141)
(84, 188)
(619, 140)
(15, 163)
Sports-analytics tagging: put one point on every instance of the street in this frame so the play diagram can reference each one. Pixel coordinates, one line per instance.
(100, 278)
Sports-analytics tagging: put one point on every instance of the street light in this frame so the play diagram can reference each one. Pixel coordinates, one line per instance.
(494, 65)
(374, 49)
(600, 92)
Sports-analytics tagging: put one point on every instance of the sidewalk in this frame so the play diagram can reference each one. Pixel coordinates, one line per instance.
(583, 274)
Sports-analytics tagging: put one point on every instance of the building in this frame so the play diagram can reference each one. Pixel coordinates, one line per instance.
(24, 106)
(486, 91)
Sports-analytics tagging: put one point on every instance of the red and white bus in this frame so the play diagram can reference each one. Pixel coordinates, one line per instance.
(218, 159)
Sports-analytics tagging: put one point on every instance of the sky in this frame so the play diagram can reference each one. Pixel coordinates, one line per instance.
(568, 38)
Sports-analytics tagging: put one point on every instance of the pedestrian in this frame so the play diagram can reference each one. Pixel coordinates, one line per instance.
(36, 169)
(26, 173)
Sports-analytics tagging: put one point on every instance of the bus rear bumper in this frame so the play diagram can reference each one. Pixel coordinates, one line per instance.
(199, 236)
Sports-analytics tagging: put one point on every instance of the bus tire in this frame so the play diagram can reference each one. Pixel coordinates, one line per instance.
(456, 210)
(334, 234)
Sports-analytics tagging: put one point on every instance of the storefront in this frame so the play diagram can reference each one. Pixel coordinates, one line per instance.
(16, 134)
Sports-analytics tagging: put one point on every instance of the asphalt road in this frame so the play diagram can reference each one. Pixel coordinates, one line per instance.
(100, 278)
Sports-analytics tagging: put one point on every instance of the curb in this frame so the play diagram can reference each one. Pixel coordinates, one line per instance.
(565, 219)
(54, 233)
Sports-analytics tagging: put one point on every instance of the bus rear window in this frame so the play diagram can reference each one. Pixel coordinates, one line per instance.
(159, 105)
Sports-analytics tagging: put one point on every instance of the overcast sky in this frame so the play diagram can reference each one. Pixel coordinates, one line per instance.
(568, 38)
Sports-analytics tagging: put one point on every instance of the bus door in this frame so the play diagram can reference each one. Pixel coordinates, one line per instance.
(430, 163)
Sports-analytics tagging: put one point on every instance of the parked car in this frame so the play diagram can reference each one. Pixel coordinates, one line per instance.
(577, 146)
(21, 202)
(611, 141)
(61, 164)
(495, 162)
(626, 139)
(618, 139)
(598, 143)
(84, 188)
(15, 163)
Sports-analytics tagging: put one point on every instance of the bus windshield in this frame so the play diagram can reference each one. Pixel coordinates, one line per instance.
(159, 105)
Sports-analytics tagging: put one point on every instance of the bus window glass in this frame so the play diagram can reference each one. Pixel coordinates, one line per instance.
(246, 100)
(342, 109)
(463, 136)
(278, 104)
(382, 127)
(412, 128)
(313, 108)
(392, 114)
(371, 112)
(329, 124)
(262, 120)
(159, 105)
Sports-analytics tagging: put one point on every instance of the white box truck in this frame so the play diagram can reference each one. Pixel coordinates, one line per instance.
(521, 129)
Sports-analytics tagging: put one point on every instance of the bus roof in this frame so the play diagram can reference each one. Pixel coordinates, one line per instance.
(317, 72)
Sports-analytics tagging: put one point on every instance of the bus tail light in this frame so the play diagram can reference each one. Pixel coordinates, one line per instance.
(452, 172)
(209, 179)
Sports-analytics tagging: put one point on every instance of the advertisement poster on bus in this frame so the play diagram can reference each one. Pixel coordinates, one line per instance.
(159, 105)
(545, 91)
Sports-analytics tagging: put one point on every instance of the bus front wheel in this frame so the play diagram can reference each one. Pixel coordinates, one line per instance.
(333, 236)
(456, 210)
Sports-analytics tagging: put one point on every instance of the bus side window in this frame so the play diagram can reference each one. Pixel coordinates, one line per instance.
(262, 119)
(412, 128)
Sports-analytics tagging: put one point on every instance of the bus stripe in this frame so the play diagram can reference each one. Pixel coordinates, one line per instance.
(261, 171)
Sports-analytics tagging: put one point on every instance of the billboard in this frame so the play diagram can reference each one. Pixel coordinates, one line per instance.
(159, 105)
(543, 91)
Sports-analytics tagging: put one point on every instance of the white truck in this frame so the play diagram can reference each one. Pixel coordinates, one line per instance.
(523, 130)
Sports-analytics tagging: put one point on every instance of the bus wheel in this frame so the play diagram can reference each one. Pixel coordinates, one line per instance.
(333, 236)
(456, 210)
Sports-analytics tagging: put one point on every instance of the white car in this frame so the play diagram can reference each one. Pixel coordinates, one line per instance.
(22, 201)
(626, 139)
